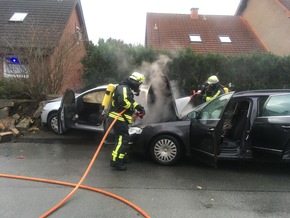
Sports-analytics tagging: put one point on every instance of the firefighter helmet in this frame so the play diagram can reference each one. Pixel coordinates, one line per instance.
(139, 77)
(212, 80)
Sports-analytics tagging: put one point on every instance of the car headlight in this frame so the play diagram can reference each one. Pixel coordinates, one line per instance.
(135, 130)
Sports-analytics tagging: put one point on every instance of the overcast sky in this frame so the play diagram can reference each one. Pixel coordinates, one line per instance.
(125, 19)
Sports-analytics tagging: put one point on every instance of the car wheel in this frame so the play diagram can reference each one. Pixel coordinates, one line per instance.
(165, 150)
(52, 122)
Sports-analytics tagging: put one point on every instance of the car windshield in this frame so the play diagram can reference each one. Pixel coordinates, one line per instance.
(199, 107)
(214, 108)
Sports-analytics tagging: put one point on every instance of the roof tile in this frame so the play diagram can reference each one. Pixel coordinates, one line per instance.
(285, 4)
(173, 32)
(45, 19)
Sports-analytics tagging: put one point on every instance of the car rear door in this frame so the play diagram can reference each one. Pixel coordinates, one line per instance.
(66, 111)
(206, 130)
(270, 134)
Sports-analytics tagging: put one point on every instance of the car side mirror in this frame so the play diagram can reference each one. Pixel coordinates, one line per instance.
(192, 115)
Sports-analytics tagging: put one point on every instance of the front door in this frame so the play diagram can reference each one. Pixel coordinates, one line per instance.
(66, 111)
(206, 130)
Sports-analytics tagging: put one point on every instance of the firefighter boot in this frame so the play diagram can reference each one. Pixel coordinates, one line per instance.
(118, 164)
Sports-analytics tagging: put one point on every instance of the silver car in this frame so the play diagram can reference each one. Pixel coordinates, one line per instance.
(82, 111)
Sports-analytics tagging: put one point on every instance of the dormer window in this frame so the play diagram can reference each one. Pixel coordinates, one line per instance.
(225, 39)
(195, 38)
(18, 17)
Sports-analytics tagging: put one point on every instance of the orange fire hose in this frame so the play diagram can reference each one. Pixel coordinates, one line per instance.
(79, 184)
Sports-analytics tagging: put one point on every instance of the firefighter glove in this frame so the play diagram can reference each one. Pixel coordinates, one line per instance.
(140, 109)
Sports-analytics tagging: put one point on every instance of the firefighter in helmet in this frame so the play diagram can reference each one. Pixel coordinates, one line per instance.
(212, 88)
(123, 98)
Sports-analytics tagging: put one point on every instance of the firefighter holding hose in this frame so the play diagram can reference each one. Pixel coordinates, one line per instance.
(212, 89)
(123, 98)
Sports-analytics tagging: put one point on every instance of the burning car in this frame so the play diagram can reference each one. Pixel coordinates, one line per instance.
(248, 125)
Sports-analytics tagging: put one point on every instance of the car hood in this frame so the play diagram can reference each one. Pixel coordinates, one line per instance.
(161, 104)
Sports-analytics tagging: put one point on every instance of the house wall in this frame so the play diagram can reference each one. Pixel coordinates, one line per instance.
(73, 78)
(271, 23)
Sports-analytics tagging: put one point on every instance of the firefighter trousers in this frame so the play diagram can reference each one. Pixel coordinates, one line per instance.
(121, 131)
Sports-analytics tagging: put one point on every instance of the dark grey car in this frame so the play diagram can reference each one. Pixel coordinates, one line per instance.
(249, 125)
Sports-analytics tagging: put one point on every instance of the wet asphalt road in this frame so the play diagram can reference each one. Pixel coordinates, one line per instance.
(190, 189)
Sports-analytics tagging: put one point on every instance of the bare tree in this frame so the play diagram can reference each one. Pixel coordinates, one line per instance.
(44, 65)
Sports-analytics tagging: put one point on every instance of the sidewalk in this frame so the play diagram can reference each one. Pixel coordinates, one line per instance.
(70, 137)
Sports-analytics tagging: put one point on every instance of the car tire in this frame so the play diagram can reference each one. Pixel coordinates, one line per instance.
(165, 150)
(52, 122)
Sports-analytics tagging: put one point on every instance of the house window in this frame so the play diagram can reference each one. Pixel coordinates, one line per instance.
(225, 39)
(18, 17)
(14, 68)
(195, 38)
(78, 33)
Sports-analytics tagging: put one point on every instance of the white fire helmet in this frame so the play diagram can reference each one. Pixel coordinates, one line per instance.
(139, 77)
(212, 80)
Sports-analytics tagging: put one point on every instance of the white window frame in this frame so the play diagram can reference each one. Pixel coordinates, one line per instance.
(18, 16)
(195, 38)
(225, 39)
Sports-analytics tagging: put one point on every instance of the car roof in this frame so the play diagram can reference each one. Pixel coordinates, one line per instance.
(261, 92)
(96, 88)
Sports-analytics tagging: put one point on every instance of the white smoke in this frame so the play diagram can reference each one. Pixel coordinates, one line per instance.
(160, 99)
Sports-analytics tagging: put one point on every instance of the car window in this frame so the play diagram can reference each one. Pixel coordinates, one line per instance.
(214, 109)
(230, 111)
(94, 97)
(278, 105)
(261, 102)
(235, 119)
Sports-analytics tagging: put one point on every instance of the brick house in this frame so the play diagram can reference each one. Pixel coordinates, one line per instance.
(43, 40)
(271, 21)
(202, 33)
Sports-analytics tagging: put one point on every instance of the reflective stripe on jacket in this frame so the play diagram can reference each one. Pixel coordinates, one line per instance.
(216, 90)
(209, 98)
(123, 98)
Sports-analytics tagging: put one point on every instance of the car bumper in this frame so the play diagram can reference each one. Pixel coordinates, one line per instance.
(43, 116)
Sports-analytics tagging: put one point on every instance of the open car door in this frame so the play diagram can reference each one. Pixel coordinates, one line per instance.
(66, 111)
(206, 130)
